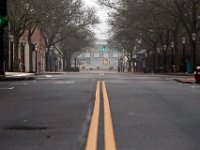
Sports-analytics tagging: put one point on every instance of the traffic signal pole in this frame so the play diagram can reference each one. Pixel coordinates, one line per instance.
(3, 23)
(2, 69)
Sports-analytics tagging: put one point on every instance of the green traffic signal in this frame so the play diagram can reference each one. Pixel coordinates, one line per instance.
(3, 22)
(103, 49)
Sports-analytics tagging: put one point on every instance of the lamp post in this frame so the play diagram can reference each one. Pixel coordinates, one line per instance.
(23, 55)
(146, 60)
(158, 51)
(183, 59)
(150, 53)
(2, 67)
(36, 67)
(11, 37)
(165, 58)
(51, 53)
(172, 59)
(123, 61)
(194, 50)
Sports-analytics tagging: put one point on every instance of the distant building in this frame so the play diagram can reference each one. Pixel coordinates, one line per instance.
(95, 58)
(37, 56)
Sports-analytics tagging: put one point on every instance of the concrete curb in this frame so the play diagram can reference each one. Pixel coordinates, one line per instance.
(186, 81)
(16, 78)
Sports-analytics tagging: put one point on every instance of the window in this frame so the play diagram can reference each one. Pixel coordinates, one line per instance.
(115, 54)
(87, 55)
(96, 54)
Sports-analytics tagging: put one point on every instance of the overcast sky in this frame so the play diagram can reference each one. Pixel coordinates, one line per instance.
(102, 28)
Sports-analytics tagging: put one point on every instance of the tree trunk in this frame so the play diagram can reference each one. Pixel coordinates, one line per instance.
(47, 61)
(177, 52)
(68, 61)
(130, 62)
(154, 57)
(64, 64)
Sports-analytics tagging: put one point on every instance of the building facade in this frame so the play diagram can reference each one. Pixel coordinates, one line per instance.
(95, 58)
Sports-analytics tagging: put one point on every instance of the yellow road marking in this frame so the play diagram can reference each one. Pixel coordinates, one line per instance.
(108, 127)
(93, 131)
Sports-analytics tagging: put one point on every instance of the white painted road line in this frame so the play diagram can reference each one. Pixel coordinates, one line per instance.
(65, 82)
(20, 75)
(10, 88)
(193, 87)
(48, 76)
(19, 83)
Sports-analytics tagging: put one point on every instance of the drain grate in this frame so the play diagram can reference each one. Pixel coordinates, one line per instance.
(26, 128)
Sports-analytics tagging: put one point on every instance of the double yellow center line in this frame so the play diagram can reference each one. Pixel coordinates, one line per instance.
(108, 127)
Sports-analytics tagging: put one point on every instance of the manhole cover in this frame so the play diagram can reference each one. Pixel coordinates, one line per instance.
(26, 128)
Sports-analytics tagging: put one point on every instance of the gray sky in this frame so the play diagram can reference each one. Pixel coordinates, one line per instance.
(100, 29)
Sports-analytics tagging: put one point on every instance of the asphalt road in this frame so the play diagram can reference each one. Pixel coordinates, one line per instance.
(54, 112)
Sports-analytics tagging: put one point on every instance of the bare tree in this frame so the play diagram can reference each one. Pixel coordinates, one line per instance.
(23, 15)
(75, 44)
(67, 18)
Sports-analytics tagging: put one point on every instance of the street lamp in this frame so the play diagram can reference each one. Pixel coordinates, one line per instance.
(51, 53)
(183, 59)
(172, 46)
(11, 37)
(158, 51)
(23, 55)
(150, 53)
(172, 61)
(165, 59)
(146, 57)
(194, 50)
(36, 67)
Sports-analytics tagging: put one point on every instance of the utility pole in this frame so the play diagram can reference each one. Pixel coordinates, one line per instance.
(3, 23)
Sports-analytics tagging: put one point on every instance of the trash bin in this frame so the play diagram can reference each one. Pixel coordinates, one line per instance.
(197, 74)
(189, 68)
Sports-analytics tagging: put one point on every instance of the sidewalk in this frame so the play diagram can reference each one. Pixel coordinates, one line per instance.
(188, 80)
(185, 78)
(17, 76)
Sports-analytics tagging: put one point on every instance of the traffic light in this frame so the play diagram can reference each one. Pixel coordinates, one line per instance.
(104, 49)
(3, 13)
(3, 22)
